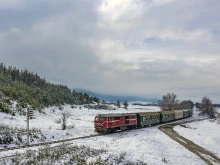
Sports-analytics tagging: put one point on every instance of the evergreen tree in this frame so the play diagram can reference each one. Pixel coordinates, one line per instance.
(125, 105)
(118, 104)
(28, 88)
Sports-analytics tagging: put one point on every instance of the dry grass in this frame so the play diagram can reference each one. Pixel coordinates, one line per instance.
(66, 154)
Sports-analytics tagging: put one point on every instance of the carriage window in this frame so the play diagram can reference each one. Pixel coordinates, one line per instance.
(117, 118)
(147, 117)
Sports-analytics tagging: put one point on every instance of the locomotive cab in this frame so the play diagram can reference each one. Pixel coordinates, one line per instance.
(100, 123)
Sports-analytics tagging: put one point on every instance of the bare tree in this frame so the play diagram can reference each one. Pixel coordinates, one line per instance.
(186, 104)
(168, 102)
(206, 107)
(64, 117)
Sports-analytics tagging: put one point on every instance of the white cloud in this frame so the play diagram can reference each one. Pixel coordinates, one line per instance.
(119, 14)
(144, 48)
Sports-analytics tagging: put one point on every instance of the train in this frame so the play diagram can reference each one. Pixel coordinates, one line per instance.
(110, 123)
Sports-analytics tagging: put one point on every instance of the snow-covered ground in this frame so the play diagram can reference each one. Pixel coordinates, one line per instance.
(218, 110)
(81, 122)
(149, 145)
(204, 133)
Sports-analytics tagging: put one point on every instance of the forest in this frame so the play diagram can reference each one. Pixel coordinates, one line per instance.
(28, 88)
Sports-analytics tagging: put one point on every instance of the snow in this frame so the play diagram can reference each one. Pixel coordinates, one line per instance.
(205, 133)
(218, 110)
(149, 144)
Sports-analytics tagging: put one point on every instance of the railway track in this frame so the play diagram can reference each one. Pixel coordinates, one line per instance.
(47, 143)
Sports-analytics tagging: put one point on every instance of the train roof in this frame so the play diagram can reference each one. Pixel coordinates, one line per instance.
(148, 113)
(166, 112)
(115, 114)
(177, 111)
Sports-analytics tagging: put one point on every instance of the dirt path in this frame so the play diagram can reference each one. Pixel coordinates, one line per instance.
(204, 154)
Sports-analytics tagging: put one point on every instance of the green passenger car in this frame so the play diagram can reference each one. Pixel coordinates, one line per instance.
(148, 118)
(190, 112)
(186, 113)
(166, 116)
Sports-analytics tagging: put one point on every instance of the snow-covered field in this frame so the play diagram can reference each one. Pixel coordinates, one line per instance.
(149, 145)
(204, 133)
(81, 122)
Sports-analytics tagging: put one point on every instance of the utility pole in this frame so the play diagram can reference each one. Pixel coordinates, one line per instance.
(28, 117)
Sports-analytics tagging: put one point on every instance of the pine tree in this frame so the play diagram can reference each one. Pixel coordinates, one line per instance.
(125, 105)
(118, 104)
(28, 88)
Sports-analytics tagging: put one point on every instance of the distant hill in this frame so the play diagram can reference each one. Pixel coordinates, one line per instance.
(113, 98)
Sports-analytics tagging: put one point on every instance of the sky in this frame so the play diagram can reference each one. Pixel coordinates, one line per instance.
(142, 48)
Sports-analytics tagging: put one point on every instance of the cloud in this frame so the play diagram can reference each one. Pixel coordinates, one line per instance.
(144, 48)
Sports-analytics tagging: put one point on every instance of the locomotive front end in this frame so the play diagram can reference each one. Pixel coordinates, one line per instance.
(100, 124)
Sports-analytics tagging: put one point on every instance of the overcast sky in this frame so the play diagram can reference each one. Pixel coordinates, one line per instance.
(122, 47)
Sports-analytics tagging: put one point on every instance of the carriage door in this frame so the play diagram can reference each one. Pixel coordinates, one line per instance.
(123, 120)
(126, 119)
(109, 121)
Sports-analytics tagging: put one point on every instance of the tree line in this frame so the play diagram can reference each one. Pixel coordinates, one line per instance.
(28, 88)
(170, 102)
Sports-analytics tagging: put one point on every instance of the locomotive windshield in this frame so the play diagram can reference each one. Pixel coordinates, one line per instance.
(99, 118)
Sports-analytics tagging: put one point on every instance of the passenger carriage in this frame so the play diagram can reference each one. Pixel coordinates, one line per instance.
(190, 112)
(148, 118)
(178, 114)
(167, 116)
(106, 123)
(186, 113)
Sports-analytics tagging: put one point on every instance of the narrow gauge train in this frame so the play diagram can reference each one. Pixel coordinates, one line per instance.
(109, 123)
